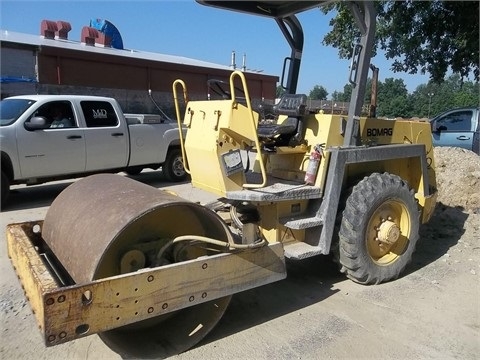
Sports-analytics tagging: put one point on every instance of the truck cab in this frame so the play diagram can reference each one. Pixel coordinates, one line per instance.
(54, 137)
(458, 127)
(45, 149)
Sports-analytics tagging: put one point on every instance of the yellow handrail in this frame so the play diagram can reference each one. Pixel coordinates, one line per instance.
(180, 127)
(257, 143)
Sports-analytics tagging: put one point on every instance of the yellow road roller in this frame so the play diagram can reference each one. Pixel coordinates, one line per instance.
(152, 273)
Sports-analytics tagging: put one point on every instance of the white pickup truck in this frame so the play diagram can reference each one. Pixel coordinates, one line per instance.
(94, 136)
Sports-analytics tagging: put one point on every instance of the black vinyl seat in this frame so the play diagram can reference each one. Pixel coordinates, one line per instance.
(290, 132)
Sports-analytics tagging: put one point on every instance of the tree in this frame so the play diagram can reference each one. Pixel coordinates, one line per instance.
(318, 93)
(432, 99)
(346, 95)
(393, 98)
(336, 95)
(419, 36)
(428, 100)
(347, 92)
(280, 91)
(343, 96)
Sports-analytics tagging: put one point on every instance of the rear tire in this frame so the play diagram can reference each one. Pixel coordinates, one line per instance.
(5, 189)
(379, 229)
(173, 167)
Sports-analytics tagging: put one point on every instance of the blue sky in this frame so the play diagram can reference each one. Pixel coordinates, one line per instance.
(188, 29)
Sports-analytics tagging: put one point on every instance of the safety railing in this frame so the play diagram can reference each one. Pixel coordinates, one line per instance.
(177, 111)
(254, 127)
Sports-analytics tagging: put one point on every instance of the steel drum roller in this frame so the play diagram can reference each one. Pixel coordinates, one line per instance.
(94, 222)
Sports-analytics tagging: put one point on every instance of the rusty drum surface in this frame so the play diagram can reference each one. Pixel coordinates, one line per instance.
(105, 213)
(96, 220)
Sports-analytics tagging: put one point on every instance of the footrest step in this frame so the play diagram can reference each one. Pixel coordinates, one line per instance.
(301, 222)
(300, 250)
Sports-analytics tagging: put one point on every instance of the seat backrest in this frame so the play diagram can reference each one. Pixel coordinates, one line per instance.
(291, 105)
(291, 131)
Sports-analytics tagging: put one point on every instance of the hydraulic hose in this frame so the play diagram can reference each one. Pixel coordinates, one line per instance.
(226, 245)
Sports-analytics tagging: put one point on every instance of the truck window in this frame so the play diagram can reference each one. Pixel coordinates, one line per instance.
(58, 114)
(11, 109)
(99, 114)
(456, 121)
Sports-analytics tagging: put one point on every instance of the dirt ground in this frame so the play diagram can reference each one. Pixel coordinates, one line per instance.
(431, 312)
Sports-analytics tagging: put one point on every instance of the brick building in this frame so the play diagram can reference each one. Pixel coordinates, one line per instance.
(50, 63)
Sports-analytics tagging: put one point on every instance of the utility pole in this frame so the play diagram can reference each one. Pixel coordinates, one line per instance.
(429, 103)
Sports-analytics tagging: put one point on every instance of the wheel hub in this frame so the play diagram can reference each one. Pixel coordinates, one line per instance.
(388, 232)
(131, 261)
(178, 167)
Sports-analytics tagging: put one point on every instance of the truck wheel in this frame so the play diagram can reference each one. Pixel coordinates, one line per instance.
(378, 230)
(5, 186)
(173, 166)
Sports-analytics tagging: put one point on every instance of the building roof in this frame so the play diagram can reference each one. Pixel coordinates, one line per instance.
(39, 41)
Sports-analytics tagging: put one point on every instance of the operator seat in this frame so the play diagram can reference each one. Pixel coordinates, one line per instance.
(291, 131)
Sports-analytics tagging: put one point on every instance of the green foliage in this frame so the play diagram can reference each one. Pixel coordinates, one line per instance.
(419, 36)
(343, 96)
(428, 100)
(392, 99)
(280, 91)
(431, 99)
(318, 93)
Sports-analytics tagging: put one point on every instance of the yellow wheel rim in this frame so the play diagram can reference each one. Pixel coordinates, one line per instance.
(388, 232)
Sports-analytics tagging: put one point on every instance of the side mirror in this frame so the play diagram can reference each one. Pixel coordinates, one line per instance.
(436, 128)
(36, 123)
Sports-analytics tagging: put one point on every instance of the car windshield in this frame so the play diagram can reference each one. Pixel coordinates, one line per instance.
(11, 109)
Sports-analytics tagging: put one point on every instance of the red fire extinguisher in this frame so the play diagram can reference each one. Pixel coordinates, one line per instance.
(313, 164)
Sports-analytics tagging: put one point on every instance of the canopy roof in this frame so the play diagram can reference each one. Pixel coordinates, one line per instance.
(275, 9)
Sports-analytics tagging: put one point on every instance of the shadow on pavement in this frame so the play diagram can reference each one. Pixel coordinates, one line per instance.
(442, 232)
(308, 282)
(36, 196)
